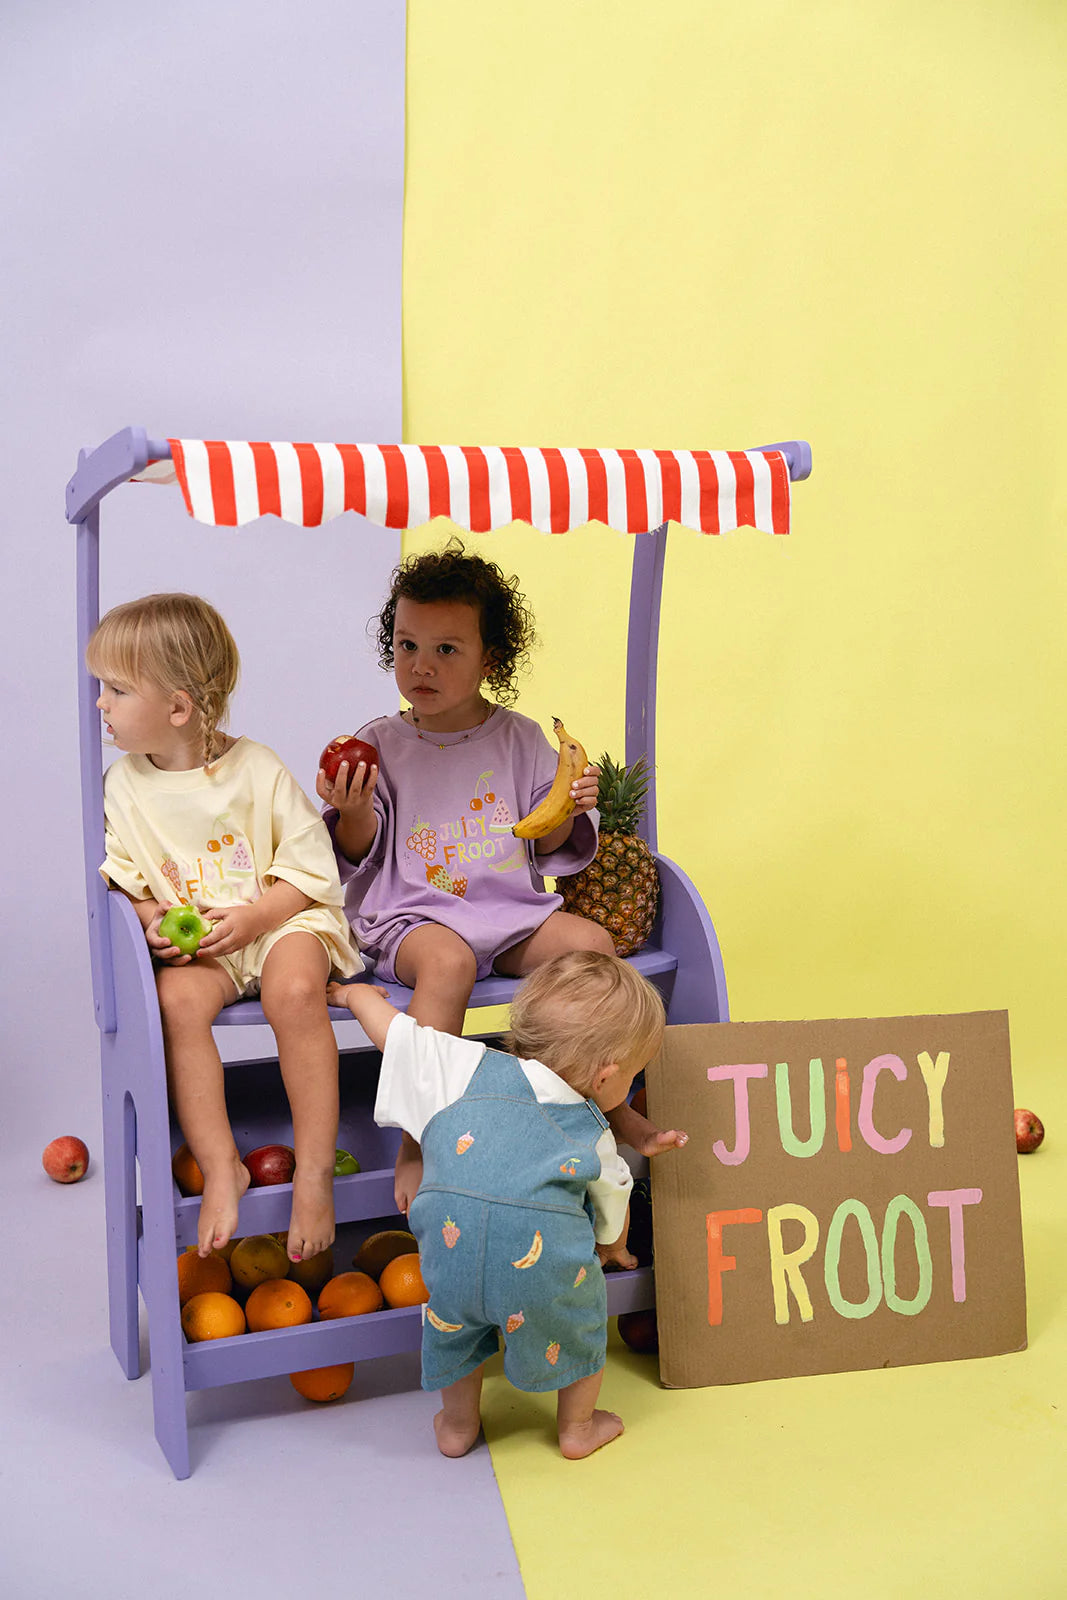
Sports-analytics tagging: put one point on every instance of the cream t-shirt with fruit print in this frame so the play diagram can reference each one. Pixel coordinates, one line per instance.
(221, 837)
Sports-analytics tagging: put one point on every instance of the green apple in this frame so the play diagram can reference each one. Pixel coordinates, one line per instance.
(344, 1164)
(184, 927)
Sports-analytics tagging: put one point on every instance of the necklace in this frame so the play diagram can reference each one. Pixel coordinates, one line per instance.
(489, 709)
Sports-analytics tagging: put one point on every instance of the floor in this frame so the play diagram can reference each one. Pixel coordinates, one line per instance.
(941, 1480)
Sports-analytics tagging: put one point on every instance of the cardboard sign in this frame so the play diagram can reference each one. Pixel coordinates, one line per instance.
(849, 1197)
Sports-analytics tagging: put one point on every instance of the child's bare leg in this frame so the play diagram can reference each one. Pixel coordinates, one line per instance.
(560, 932)
(630, 1127)
(459, 1421)
(190, 998)
(583, 1429)
(293, 993)
(440, 967)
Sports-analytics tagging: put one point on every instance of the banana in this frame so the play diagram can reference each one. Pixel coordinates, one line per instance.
(442, 1327)
(533, 1254)
(557, 805)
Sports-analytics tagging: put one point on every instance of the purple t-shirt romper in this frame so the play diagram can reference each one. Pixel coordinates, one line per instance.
(444, 850)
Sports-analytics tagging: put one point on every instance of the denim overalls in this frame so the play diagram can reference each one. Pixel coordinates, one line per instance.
(506, 1235)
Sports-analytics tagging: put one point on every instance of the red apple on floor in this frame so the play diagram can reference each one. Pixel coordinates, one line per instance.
(65, 1159)
(346, 747)
(1029, 1131)
(271, 1163)
(640, 1331)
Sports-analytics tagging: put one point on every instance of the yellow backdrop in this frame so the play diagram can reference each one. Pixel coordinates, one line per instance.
(701, 224)
(697, 224)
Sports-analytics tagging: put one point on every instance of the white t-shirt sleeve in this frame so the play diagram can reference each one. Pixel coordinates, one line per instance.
(610, 1193)
(422, 1072)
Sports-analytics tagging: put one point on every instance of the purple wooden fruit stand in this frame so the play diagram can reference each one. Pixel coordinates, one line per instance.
(397, 486)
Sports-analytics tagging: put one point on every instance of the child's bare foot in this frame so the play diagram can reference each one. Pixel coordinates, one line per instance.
(580, 1439)
(311, 1222)
(455, 1438)
(223, 1187)
(630, 1127)
(408, 1173)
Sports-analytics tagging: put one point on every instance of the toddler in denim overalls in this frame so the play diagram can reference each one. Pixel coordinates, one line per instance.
(524, 1194)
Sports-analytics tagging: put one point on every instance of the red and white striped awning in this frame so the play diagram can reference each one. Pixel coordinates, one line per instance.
(230, 482)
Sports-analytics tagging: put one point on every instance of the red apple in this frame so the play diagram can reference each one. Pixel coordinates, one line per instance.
(346, 747)
(1029, 1131)
(639, 1330)
(66, 1159)
(271, 1163)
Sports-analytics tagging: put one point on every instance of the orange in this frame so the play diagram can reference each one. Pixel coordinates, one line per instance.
(212, 1316)
(277, 1304)
(350, 1294)
(258, 1258)
(377, 1251)
(200, 1277)
(324, 1383)
(314, 1272)
(401, 1282)
(187, 1174)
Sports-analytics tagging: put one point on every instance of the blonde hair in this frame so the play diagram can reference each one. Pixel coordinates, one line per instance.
(582, 1010)
(177, 642)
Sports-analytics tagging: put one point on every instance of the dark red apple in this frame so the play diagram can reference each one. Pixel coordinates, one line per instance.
(346, 747)
(65, 1159)
(640, 1331)
(271, 1163)
(1029, 1131)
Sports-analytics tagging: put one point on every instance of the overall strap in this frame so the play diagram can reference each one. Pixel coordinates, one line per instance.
(499, 1073)
(599, 1115)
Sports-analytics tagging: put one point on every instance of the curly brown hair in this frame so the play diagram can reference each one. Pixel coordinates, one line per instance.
(505, 621)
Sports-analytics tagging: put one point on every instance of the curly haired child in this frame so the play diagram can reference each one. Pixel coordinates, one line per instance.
(437, 888)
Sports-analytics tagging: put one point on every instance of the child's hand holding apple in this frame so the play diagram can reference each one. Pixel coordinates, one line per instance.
(174, 933)
(348, 771)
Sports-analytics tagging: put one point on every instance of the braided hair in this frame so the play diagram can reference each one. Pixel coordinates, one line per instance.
(179, 643)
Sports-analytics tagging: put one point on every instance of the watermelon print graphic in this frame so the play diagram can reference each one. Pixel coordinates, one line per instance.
(501, 821)
(580, 1278)
(241, 860)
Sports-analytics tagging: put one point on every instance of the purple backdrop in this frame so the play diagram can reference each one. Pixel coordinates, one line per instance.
(202, 234)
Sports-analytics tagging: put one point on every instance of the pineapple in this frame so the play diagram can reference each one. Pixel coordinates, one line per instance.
(620, 889)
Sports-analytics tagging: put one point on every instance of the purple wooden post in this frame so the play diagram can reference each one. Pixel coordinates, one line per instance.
(642, 651)
(92, 777)
(98, 472)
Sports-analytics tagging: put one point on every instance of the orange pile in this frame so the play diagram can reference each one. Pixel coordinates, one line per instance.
(402, 1284)
(212, 1316)
(187, 1174)
(277, 1304)
(350, 1294)
(324, 1383)
(196, 1276)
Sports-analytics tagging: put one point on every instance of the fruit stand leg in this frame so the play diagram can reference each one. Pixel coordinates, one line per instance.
(120, 1215)
(135, 1057)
